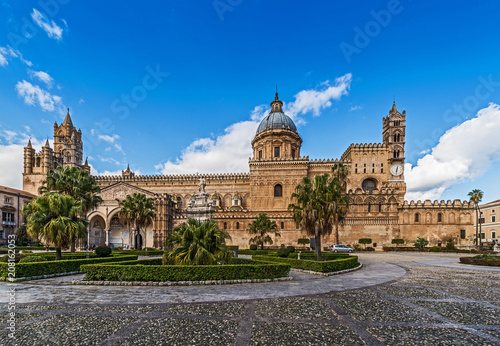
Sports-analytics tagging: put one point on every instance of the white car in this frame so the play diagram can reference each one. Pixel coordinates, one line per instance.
(341, 248)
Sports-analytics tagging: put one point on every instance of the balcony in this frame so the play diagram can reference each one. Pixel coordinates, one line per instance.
(8, 223)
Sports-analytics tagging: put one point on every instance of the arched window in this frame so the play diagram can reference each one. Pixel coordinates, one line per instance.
(278, 190)
(225, 225)
(369, 185)
(440, 217)
(417, 217)
(237, 225)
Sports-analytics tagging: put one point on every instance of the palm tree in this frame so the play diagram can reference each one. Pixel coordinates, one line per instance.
(55, 218)
(197, 243)
(261, 226)
(476, 196)
(340, 174)
(138, 210)
(315, 206)
(76, 183)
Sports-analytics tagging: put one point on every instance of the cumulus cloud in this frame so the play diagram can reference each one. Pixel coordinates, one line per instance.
(49, 26)
(33, 95)
(463, 152)
(42, 77)
(108, 139)
(230, 151)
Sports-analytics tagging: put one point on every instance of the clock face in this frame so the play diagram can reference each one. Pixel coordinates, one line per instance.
(396, 170)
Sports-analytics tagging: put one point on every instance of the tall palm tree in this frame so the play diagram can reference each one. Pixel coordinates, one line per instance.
(55, 218)
(261, 226)
(476, 196)
(197, 243)
(76, 183)
(314, 207)
(138, 210)
(339, 174)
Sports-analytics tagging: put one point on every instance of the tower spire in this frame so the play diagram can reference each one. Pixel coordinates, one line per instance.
(67, 121)
(276, 105)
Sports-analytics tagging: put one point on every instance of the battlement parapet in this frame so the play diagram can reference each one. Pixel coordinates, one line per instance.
(181, 177)
(455, 204)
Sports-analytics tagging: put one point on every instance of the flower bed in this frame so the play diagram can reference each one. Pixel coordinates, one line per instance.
(482, 260)
(23, 270)
(152, 270)
(317, 266)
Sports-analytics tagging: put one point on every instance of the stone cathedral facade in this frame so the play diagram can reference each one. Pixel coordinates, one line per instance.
(375, 186)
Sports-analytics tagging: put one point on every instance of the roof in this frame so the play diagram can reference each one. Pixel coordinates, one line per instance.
(15, 191)
(276, 120)
(497, 201)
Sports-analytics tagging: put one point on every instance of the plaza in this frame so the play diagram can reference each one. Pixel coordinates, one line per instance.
(395, 299)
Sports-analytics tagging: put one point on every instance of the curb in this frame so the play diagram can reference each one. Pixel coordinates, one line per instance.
(47, 276)
(176, 283)
(326, 274)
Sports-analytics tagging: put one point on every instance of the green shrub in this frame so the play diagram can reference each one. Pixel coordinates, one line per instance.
(435, 249)
(290, 248)
(54, 267)
(255, 252)
(482, 260)
(317, 266)
(365, 241)
(140, 252)
(325, 256)
(253, 247)
(32, 259)
(103, 251)
(283, 252)
(397, 241)
(420, 243)
(144, 272)
(303, 241)
(450, 245)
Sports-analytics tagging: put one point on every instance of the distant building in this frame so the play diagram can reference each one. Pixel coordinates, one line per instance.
(375, 187)
(489, 222)
(11, 204)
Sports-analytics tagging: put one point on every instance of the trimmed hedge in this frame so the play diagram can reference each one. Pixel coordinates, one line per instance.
(255, 252)
(325, 256)
(148, 272)
(494, 262)
(139, 252)
(431, 249)
(317, 266)
(55, 267)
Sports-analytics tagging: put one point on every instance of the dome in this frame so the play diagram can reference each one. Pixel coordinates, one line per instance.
(276, 118)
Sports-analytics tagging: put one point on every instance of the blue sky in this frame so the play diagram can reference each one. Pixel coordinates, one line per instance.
(337, 66)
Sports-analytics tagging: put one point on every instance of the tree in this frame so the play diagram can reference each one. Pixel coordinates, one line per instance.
(420, 243)
(139, 211)
(261, 226)
(476, 196)
(22, 237)
(76, 183)
(339, 175)
(397, 241)
(314, 207)
(55, 218)
(303, 241)
(365, 241)
(197, 243)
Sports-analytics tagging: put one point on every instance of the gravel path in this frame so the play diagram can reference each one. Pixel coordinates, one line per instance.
(431, 304)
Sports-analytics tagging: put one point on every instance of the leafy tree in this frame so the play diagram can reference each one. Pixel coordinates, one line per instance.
(397, 241)
(450, 245)
(197, 243)
(420, 243)
(76, 183)
(314, 207)
(56, 219)
(22, 237)
(342, 201)
(138, 210)
(476, 196)
(303, 241)
(262, 226)
(365, 241)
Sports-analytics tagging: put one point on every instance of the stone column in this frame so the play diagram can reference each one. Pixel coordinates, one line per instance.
(108, 232)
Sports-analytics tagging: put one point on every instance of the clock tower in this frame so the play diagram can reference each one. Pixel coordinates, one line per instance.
(393, 134)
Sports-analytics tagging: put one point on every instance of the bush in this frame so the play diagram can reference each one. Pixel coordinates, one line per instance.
(140, 252)
(397, 241)
(368, 248)
(325, 256)
(148, 272)
(253, 247)
(450, 245)
(365, 241)
(420, 243)
(290, 249)
(55, 267)
(482, 260)
(32, 259)
(103, 251)
(303, 241)
(317, 266)
(435, 249)
(283, 252)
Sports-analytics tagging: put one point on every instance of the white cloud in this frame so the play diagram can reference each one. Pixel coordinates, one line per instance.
(355, 108)
(42, 77)
(33, 95)
(463, 152)
(109, 160)
(5, 54)
(230, 151)
(49, 26)
(108, 139)
(81, 101)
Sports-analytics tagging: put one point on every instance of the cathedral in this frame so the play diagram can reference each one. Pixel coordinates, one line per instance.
(375, 187)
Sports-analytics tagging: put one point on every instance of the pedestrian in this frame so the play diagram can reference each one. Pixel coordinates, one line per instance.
(47, 247)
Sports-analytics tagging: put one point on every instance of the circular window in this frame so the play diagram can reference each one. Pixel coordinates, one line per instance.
(369, 185)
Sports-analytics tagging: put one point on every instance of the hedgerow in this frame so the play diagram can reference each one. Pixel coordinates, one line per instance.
(317, 266)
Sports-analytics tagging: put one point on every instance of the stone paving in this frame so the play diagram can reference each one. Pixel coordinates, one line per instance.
(424, 300)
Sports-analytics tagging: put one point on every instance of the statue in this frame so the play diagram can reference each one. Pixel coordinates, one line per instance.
(202, 185)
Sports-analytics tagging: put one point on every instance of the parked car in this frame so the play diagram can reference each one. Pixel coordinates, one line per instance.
(341, 248)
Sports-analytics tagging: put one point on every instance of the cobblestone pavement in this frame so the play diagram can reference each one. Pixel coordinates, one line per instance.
(431, 304)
